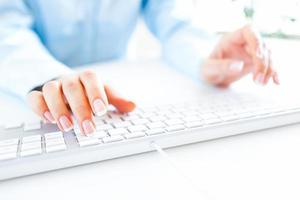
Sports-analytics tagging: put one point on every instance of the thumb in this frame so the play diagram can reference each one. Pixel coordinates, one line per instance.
(122, 104)
(222, 71)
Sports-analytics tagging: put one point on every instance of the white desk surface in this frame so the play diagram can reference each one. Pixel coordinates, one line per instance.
(262, 165)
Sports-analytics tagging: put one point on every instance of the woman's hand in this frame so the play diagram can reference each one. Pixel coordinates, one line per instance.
(237, 54)
(80, 94)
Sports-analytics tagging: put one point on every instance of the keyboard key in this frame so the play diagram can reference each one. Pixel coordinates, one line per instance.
(250, 114)
(117, 131)
(87, 141)
(56, 148)
(174, 116)
(155, 131)
(9, 142)
(148, 109)
(191, 119)
(104, 127)
(33, 145)
(54, 141)
(53, 135)
(149, 114)
(189, 113)
(113, 138)
(31, 126)
(32, 138)
(8, 149)
(108, 121)
(115, 115)
(137, 128)
(99, 134)
(7, 156)
(157, 118)
(229, 117)
(207, 116)
(213, 121)
(13, 125)
(99, 122)
(131, 117)
(31, 152)
(134, 135)
(122, 124)
(140, 121)
(177, 127)
(194, 124)
(174, 122)
(155, 125)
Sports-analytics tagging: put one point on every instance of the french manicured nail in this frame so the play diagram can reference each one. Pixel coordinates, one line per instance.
(237, 66)
(65, 123)
(88, 127)
(259, 79)
(99, 107)
(48, 116)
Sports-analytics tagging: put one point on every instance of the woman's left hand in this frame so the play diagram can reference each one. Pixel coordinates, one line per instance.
(237, 54)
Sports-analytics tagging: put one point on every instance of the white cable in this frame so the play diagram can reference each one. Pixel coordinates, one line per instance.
(200, 192)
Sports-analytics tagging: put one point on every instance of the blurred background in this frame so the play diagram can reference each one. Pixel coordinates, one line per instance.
(278, 19)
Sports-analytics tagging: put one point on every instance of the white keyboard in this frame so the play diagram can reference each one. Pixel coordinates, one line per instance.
(33, 147)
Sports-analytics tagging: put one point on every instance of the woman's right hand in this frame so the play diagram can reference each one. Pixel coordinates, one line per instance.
(80, 94)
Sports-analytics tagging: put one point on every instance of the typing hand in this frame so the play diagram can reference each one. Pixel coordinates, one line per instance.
(237, 54)
(79, 93)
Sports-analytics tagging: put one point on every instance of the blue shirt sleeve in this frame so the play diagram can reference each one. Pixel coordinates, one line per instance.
(184, 46)
(24, 61)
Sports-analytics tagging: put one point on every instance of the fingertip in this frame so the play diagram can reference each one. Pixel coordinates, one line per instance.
(276, 79)
(124, 106)
(49, 117)
(130, 106)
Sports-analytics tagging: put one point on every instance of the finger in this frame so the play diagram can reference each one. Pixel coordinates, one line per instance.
(270, 71)
(38, 105)
(95, 92)
(256, 48)
(276, 79)
(122, 104)
(78, 102)
(274, 73)
(220, 71)
(55, 101)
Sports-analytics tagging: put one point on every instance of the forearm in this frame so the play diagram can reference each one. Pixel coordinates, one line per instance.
(26, 64)
(184, 46)
(187, 48)
(24, 61)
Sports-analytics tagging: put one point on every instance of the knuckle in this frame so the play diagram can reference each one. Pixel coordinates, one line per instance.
(32, 94)
(214, 78)
(69, 83)
(36, 102)
(94, 90)
(81, 110)
(88, 74)
(49, 86)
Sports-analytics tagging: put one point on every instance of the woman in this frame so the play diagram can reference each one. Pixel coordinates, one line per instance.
(43, 40)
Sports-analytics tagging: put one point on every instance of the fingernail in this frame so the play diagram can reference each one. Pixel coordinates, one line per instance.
(259, 52)
(99, 107)
(259, 79)
(237, 66)
(65, 123)
(276, 79)
(88, 127)
(49, 117)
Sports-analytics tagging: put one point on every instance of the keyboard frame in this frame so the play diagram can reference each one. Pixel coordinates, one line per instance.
(90, 154)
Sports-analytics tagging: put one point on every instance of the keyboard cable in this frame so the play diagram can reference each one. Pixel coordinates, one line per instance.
(200, 192)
